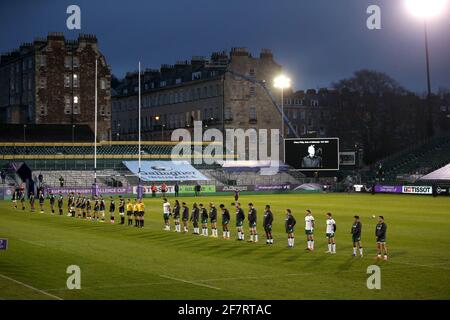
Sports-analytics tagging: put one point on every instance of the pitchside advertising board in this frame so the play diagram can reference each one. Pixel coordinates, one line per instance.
(183, 189)
(312, 154)
(426, 190)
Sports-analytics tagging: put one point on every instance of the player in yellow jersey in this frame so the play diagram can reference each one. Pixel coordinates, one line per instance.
(130, 212)
(141, 211)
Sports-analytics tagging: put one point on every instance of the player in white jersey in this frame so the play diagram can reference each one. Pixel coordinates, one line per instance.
(166, 214)
(309, 230)
(331, 229)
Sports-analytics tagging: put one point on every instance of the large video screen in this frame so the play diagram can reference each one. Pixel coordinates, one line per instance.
(312, 154)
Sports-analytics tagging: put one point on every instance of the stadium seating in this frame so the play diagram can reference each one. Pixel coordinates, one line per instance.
(420, 159)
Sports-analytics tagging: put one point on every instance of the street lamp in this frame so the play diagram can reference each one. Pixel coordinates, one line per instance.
(282, 82)
(73, 133)
(426, 9)
(24, 133)
(157, 118)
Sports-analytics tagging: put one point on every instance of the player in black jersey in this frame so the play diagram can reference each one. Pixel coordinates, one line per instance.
(78, 205)
(267, 222)
(185, 217)
(22, 199)
(204, 217)
(41, 201)
(356, 236)
(176, 216)
(88, 209)
(102, 209)
(52, 202)
(60, 203)
(70, 204)
(380, 233)
(289, 225)
(252, 223)
(112, 209)
(96, 208)
(213, 219)
(122, 210)
(31, 199)
(14, 199)
(225, 222)
(194, 218)
(83, 206)
(240, 217)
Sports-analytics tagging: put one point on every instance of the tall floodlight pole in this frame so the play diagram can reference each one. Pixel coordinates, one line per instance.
(139, 188)
(95, 187)
(426, 9)
(282, 82)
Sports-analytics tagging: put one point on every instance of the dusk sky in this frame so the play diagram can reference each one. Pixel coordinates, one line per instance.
(316, 41)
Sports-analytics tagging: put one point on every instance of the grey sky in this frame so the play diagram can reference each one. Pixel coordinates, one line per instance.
(316, 41)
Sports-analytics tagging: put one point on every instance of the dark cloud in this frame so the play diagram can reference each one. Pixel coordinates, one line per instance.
(317, 42)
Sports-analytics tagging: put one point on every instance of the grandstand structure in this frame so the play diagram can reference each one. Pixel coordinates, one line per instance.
(75, 163)
(416, 161)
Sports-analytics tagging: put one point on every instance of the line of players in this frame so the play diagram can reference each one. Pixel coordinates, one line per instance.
(81, 206)
(201, 216)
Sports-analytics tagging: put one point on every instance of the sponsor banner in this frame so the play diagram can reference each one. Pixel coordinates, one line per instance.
(191, 189)
(148, 189)
(388, 189)
(417, 189)
(443, 191)
(234, 188)
(165, 171)
(101, 190)
(310, 187)
(274, 187)
(3, 244)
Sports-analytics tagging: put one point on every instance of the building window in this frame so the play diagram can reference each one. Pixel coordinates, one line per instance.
(42, 83)
(163, 83)
(42, 60)
(102, 84)
(66, 80)
(76, 62)
(252, 113)
(302, 115)
(177, 80)
(42, 110)
(68, 62)
(252, 91)
(67, 105)
(314, 103)
(228, 114)
(76, 105)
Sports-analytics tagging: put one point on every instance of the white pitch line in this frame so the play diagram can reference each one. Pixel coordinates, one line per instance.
(30, 287)
(433, 266)
(190, 282)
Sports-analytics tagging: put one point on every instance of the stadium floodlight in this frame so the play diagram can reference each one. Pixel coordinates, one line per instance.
(426, 8)
(282, 82)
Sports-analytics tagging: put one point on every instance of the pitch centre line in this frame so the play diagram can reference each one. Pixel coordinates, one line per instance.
(30, 287)
(190, 282)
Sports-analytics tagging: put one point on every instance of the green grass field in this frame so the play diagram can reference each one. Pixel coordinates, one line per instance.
(120, 262)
